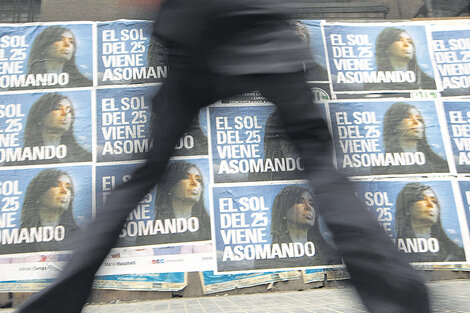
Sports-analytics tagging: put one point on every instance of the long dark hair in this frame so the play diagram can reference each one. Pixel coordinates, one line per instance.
(284, 200)
(174, 173)
(39, 55)
(387, 37)
(382, 59)
(407, 197)
(38, 186)
(36, 123)
(36, 120)
(391, 137)
(40, 47)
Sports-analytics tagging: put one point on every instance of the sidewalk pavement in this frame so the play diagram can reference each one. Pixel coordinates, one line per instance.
(447, 296)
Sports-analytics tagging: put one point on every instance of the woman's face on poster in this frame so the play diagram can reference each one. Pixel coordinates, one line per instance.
(64, 48)
(426, 210)
(58, 197)
(402, 48)
(412, 126)
(60, 117)
(302, 212)
(190, 187)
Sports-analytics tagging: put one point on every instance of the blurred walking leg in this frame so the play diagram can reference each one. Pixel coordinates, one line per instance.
(384, 279)
(175, 108)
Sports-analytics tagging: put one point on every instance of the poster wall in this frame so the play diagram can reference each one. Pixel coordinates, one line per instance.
(76, 121)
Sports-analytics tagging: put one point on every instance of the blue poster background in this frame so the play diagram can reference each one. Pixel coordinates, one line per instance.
(458, 118)
(318, 70)
(239, 142)
(362, 123)
(357, 43)
(124, 117)
(465, 189)
(123, 120)
(81, 177)
(19, 50)
(126, 50)
(452, 54)
(21, 104)
(248, 209)
(380, 198)
(110, 176)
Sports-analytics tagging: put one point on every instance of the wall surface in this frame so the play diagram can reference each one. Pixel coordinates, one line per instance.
(92, 10)
(56, 10)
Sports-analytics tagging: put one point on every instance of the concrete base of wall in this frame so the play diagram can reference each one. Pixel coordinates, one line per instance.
(194, 289)
(5, 300)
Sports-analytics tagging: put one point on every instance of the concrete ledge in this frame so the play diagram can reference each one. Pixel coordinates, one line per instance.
(434, 275)
(194, 288)
(5, 300)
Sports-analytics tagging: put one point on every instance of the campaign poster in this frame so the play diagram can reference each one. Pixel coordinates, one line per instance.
(18, 269)
(465, 190)
(124, 121)
(143, 282)
(250, 144)
(212, 283)
(169, 258)
(379, 57)
(451, 50)
(31, 271)
(42, 208)
(128, 54)
(311, 32)
(387, 137)
(458, 122)
(132, 282)
(176, 211)
(268, 227)
(420, 216)
(46, 56)
(44, 128)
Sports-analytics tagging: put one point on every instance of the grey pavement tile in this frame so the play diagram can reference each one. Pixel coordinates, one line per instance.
(211, 308)
(160, 306)
(193, 306)
(299, 310)
(128, 310)
(246, 305)
(176, 305)
(447, 297)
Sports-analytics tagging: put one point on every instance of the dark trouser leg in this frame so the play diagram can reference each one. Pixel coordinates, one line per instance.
(382, 276)
(69, 291)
